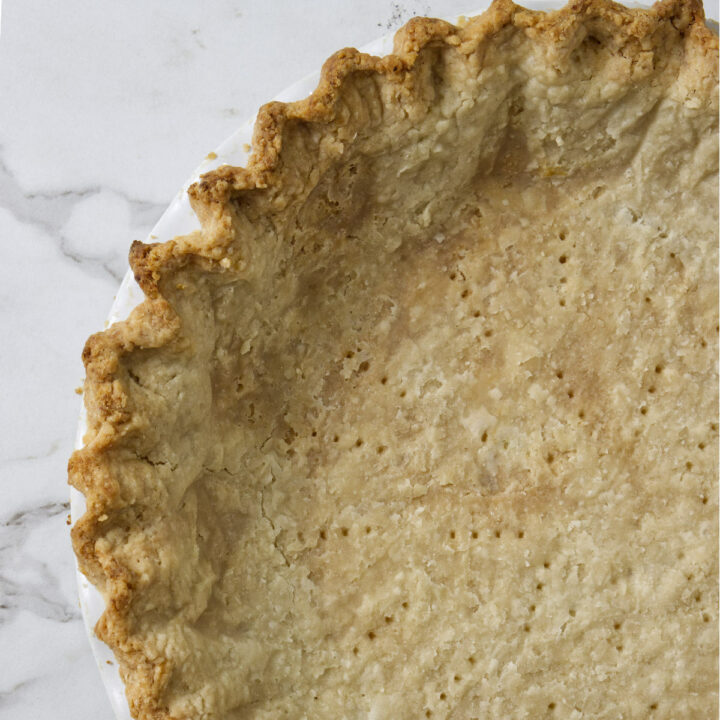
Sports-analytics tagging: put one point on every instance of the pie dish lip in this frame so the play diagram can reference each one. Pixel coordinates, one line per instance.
(180, 219)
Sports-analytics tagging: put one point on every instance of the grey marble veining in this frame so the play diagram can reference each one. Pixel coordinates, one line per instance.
(53, 212)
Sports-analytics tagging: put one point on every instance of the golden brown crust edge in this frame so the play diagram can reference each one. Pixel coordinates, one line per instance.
(597, 16)
(154, 323)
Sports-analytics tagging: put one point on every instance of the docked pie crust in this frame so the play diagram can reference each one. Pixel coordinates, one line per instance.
(423, 422)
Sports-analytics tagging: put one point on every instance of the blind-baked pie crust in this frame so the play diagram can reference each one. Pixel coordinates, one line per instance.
(423, 422)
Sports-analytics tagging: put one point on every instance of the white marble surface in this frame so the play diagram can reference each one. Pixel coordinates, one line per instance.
(105, 110)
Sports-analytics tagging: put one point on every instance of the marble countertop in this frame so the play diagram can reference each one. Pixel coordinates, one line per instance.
(107, 108)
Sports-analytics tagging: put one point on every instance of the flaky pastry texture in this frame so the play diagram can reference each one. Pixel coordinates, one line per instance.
(423, 422)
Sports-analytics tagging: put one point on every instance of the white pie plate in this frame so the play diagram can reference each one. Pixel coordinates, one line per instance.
(179, 219)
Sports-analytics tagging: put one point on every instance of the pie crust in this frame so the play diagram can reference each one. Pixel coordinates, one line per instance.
(423, 422)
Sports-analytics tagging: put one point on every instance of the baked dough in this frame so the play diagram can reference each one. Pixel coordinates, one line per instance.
(423, 422)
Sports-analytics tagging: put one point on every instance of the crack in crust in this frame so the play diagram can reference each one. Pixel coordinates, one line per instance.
(230, 202)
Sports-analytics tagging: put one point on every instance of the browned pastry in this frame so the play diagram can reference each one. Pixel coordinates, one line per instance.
(423, 422)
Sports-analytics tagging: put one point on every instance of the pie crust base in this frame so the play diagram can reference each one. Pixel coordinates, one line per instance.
(423, 422)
